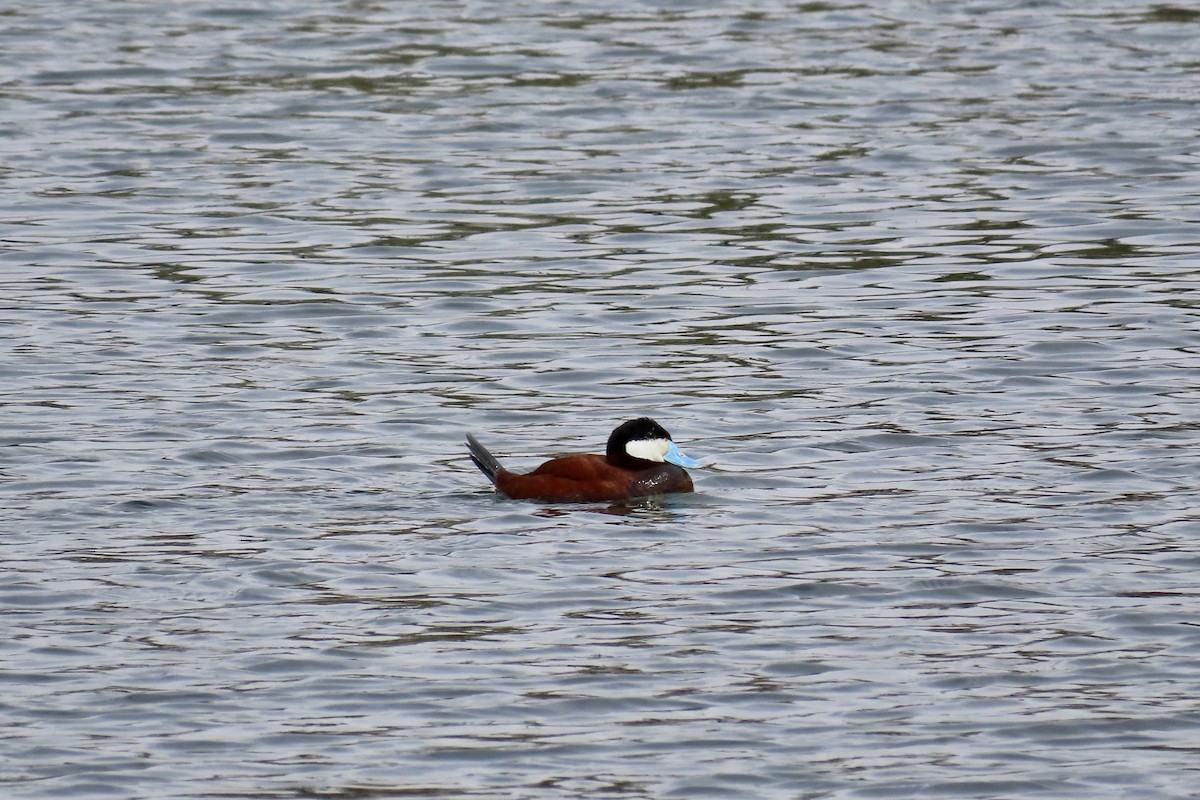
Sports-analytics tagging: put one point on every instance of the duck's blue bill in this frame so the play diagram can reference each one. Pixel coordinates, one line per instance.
(676, 456)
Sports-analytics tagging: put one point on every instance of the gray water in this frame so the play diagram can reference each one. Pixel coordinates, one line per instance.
(919, 280)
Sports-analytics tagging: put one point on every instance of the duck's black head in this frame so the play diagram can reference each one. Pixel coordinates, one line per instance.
(643, 439)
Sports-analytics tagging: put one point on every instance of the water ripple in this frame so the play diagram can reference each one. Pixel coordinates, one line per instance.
(916, 280)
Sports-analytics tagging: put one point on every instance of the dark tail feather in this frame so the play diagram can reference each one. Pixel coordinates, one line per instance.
(486, 462)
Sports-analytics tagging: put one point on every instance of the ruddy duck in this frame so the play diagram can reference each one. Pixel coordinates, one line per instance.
(640, 460)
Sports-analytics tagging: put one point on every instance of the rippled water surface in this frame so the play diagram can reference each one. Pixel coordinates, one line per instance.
(920, 280)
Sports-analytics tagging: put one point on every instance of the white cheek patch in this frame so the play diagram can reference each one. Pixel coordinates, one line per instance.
(648, 449)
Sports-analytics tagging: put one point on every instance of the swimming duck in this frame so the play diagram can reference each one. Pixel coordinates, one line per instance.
(640, 460)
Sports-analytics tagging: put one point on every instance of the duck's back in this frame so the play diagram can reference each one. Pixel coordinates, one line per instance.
(591, 478)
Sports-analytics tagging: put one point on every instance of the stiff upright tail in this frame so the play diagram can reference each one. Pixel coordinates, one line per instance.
(486, 462)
